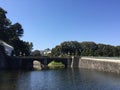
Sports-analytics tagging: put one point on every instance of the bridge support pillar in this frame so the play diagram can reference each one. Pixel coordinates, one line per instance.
(69, 60)
(75, 62)
(45, 63)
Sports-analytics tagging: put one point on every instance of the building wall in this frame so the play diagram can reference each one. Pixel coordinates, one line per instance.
(8, 49)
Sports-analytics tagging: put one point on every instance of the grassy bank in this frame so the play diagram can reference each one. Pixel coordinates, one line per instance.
(56, 65)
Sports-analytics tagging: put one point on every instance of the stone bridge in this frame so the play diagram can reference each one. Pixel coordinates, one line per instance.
(26, 62)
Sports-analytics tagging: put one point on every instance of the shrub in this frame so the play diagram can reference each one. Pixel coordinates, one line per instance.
(56, 65)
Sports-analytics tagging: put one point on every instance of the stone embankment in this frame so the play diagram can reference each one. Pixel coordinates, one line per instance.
(108, 65)
(2, 58)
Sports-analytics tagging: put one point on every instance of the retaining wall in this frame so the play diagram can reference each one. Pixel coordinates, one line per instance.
(100, 64)
(2, 58)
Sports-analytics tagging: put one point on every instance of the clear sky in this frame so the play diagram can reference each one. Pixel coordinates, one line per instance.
(47, 23)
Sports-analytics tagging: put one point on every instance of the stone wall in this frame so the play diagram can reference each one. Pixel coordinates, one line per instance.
(75, 62)
(27, 62)
(7, 62)
(2, 58)
(100, 64)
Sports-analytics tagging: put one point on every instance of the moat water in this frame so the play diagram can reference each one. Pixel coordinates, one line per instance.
(63, 79)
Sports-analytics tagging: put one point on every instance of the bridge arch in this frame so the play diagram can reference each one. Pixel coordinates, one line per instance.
(37, 65)
(28, 62)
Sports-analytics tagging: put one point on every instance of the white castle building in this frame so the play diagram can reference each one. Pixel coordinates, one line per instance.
(7, 47)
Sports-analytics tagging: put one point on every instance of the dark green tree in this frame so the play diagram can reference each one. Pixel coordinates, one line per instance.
(71, 47)
(85, 49)
(56, 51)
(35, 53)
(11, 34)
(67, 48)
(4, 24)
(88, 48)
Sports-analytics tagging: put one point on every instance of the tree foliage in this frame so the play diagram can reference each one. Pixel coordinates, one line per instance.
(11, 34)
(85, 49)
(35, 53)
(56, 51)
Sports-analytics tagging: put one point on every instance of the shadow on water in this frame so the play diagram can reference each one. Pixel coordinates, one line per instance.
(12, 80)
(63, 79)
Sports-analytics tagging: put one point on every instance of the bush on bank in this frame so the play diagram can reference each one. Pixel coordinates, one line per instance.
(56, 65)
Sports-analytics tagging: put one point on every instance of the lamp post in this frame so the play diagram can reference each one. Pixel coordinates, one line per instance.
(80, 52)
(68, 54)
(24, 54)
(20, 53)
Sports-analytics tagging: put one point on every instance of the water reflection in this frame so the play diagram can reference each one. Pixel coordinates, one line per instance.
(8, 80)
(24, 81)
(63, 79)
(14, 80)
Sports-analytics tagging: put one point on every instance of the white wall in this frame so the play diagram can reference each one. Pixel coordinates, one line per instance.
(8, 48)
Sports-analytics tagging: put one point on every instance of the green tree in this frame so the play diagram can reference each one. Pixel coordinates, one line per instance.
(118, 50)
(88, 48)
(67, 47)
(11, 34)
(9, 31)
(4, 24)
(85, 49)
(56, 51)
(35, 53)
(71, 47)
(15, 31)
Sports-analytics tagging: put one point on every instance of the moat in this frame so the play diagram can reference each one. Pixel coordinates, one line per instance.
(62, 79)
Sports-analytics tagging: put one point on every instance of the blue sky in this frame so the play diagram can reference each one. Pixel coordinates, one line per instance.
(47, 23)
